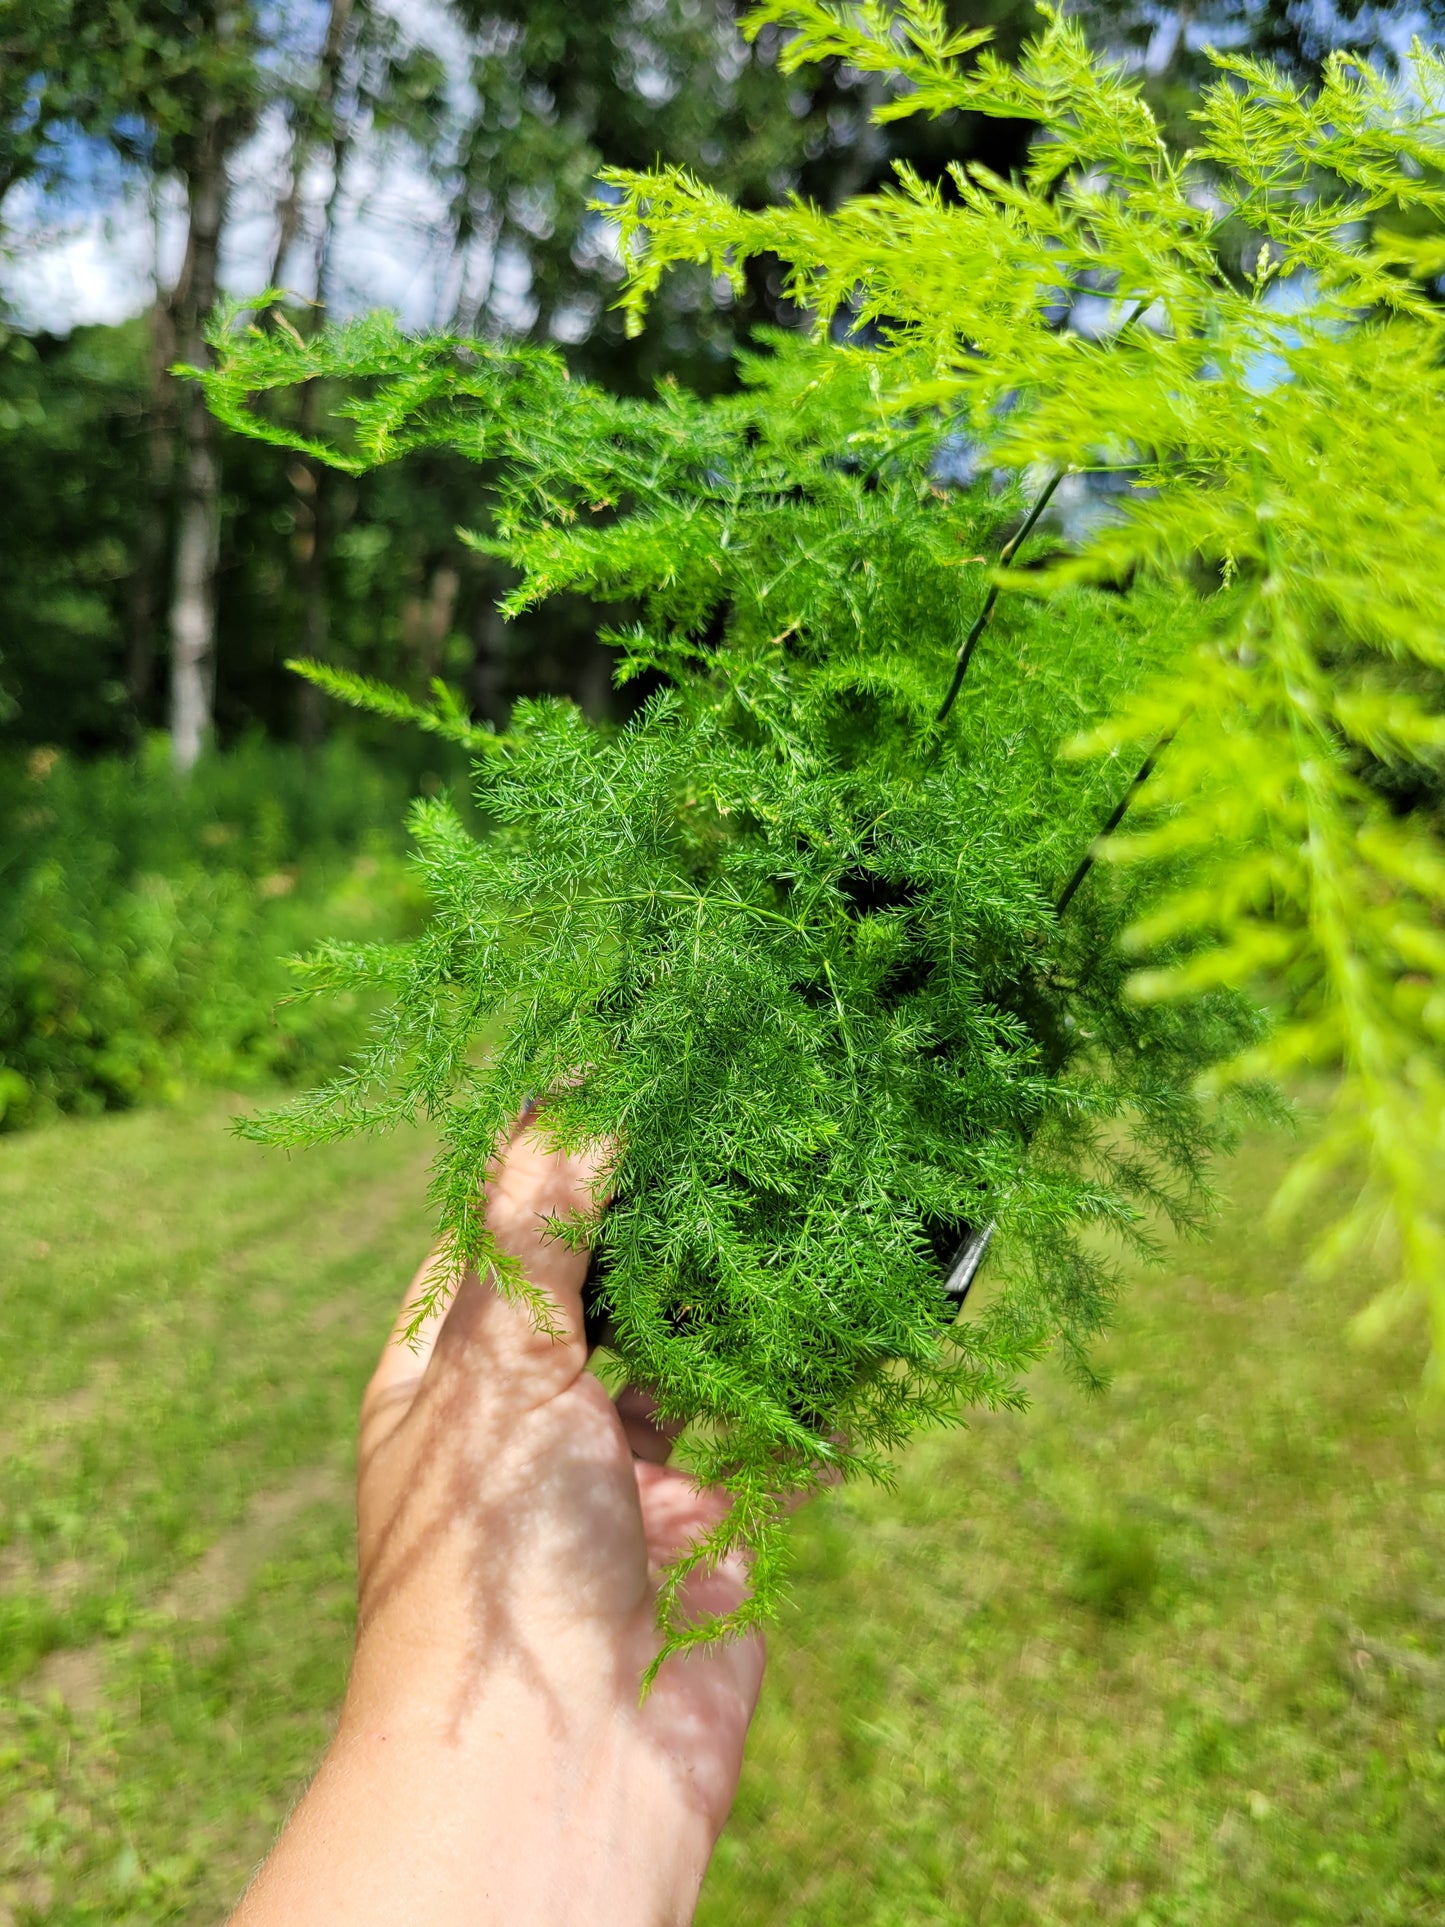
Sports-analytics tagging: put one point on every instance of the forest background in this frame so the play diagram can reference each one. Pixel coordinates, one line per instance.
(177, 811)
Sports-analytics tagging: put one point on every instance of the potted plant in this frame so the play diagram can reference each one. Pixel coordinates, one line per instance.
(815, 938)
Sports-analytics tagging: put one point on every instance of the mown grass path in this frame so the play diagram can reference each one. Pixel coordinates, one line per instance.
(1176, 1656)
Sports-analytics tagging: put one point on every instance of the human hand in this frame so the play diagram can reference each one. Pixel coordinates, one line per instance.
(493, 1761)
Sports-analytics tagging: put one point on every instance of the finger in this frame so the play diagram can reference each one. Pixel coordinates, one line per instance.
(675, 1511)
(405, 1355)
(650, 1437)
(530, 1190)
(409, 1346)
(403, 1361)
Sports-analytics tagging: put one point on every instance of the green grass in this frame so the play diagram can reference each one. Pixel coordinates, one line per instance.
(1172, 1656)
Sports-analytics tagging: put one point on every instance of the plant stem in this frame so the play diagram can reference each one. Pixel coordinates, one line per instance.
(1116, 817)
(971, 1253)
(731, 899)
(1010, 549)
(985, 614)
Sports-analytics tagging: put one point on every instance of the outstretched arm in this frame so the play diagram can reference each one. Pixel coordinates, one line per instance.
(492, 1762)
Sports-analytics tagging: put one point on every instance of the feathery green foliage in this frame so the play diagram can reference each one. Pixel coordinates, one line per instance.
(791, 939)
(785, 938)
(1272, 379)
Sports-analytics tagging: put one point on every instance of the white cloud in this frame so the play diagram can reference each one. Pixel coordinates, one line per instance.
(391, 248)
(96, 265)
(99, 266)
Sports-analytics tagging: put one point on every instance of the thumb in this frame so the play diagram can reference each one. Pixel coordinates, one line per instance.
(530, 1191)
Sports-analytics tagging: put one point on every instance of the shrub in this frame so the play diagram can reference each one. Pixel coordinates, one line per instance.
(788, 937)
(1268, 381)
(145, 920)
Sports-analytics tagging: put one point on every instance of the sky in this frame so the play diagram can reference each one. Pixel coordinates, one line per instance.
(94, 256)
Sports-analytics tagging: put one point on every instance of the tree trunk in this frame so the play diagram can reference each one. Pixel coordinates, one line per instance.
(198, 520)
(147, 594)
(319, 113)
(311, 483)
(426, 621)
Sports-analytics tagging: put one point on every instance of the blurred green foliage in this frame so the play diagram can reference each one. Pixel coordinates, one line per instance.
(144, 921)
(535, 98)
(82, 666)
(72, 478)
(87, 424)
(1115, 1566)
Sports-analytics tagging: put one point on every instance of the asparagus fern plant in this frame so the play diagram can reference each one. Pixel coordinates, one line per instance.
(816, 939)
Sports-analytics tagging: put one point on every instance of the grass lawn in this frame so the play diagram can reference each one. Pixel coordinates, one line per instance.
(1172, 1656)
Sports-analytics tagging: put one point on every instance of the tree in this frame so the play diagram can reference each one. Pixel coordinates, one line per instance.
(559, 94)
(77, 65)
(171, 90)
(550, 95)
(324, 118)
(555, 95)
(1169, 42)
(222, 112)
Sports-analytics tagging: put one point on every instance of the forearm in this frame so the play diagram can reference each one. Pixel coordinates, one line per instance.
(515, 1812)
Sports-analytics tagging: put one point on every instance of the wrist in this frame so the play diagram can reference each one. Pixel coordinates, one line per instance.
(540, 1805)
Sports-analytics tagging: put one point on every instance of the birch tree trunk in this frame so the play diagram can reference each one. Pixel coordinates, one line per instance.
(198, 519)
